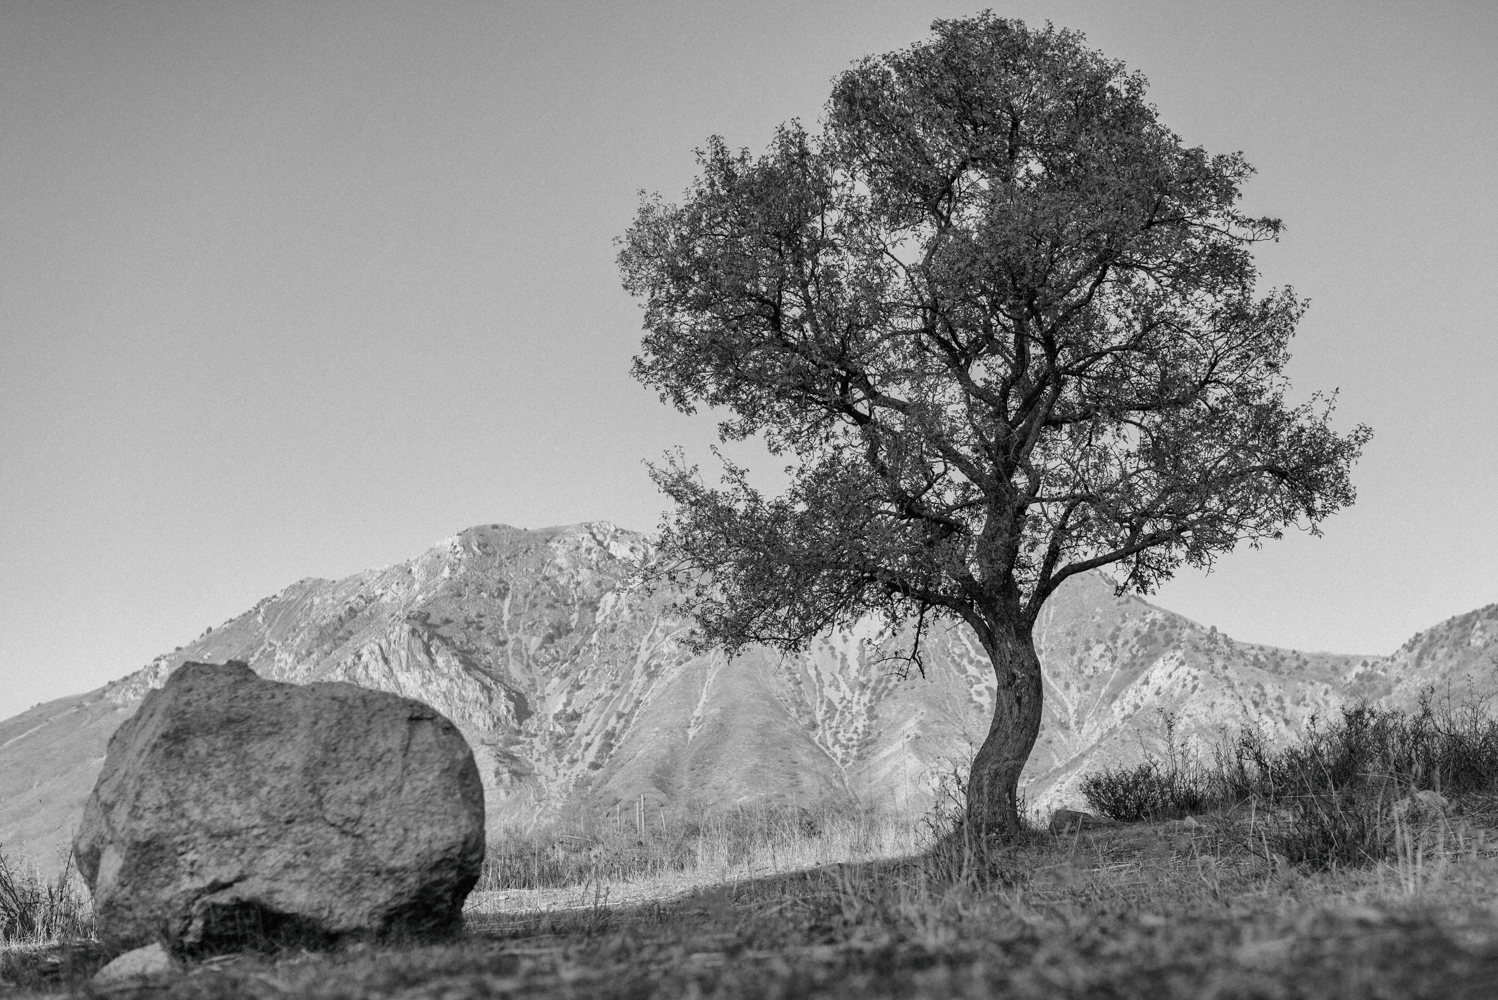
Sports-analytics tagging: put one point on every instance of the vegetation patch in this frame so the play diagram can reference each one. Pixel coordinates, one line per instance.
(638, 843)
(35, 910)
(46, 927)
(1162, 910)
(1357, 790)
(845, 902)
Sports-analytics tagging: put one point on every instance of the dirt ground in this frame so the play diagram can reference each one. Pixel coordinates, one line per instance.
(1150, 912)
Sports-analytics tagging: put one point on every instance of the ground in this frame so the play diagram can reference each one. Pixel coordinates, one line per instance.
(1156, 911)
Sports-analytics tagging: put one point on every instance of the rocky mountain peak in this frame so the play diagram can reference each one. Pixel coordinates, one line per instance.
(575, 688)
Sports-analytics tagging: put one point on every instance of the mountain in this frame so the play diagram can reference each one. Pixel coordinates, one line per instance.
(573, 685)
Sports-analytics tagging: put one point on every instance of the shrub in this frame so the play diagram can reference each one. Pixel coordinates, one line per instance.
(33, 909)
(1345, 827)
(1147, 791)
(1331, 796)
(1158, 788)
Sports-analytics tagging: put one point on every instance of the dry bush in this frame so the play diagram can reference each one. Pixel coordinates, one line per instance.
(1339, 795)
(35, 910)
(46, 929)
(1157, 788)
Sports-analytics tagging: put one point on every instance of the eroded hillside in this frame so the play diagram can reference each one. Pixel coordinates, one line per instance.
(572, 683)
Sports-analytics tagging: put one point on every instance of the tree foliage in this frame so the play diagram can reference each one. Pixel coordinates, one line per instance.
(1003, 325)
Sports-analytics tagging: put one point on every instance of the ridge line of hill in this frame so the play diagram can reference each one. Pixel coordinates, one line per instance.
(572, 685)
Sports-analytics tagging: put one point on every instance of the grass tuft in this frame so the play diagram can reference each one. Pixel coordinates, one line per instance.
(954, 854)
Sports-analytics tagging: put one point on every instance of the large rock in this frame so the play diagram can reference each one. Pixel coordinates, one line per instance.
(236, 811)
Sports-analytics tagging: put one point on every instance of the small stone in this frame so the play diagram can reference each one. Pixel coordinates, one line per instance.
(1072, 820)
(148, 966)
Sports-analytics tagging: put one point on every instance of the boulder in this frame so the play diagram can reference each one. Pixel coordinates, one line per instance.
(1072, 820)
(233, 811)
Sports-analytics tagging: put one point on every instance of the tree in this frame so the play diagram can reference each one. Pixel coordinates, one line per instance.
(1003, 325)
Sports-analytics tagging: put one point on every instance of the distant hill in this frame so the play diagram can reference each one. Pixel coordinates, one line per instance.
(571, 683)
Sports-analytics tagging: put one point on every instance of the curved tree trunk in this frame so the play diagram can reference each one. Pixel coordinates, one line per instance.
(993, 782)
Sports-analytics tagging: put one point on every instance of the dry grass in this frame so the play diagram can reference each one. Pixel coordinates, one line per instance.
(35, 910)
(788, 902)
(46, 926)
(1345, 793)
(1160, 911)
(668, 857)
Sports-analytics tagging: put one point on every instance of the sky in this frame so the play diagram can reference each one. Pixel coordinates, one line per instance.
(293, 290)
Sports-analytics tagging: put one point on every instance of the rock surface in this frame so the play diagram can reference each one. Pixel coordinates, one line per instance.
(235, 811)
(151, 966)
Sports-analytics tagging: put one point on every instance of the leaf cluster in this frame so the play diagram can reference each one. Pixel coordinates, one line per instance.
(1002, 322)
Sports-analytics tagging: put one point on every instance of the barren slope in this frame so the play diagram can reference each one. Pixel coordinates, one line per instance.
(572, 684)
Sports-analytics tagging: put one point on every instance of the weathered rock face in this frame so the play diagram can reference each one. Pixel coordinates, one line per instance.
(572, 685)
(233, 810)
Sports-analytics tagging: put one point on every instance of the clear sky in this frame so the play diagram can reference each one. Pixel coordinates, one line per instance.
(296, 289)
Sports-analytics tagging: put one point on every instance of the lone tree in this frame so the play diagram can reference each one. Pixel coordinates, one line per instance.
(1003, 325)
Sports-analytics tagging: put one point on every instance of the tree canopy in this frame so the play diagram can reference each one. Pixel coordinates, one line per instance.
(1002, 324)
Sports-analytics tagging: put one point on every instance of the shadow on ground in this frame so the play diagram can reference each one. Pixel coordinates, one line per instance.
(1156, 913)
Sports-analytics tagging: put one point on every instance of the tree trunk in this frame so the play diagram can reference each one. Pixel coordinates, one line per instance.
(993, 782)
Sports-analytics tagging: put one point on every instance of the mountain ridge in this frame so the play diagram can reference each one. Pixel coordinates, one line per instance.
(576, 689)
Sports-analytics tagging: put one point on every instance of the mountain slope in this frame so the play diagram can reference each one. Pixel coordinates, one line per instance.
(573, 685)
